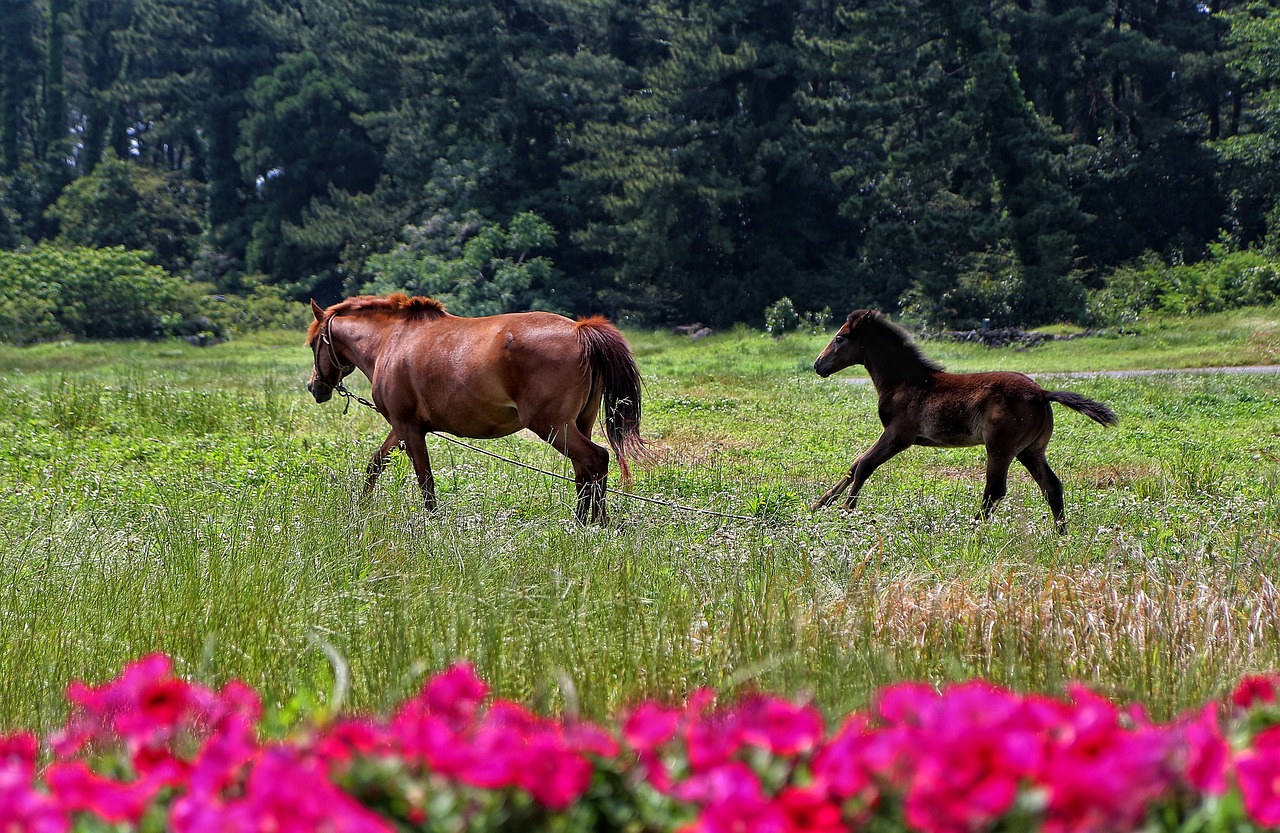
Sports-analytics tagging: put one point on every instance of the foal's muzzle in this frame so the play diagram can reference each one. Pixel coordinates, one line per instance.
(822, 367)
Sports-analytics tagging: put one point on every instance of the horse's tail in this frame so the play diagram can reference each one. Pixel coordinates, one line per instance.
(1093, 409)
(614, 369)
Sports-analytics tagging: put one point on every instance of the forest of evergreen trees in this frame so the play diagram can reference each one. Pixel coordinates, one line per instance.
(655, 160)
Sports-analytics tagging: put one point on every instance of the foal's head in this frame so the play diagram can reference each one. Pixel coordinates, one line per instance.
(328, 370)
(868, 335)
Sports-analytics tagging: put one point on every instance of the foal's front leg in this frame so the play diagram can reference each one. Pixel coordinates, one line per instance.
(884, 448)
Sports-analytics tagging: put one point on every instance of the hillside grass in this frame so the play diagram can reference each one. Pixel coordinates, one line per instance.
(158, 496)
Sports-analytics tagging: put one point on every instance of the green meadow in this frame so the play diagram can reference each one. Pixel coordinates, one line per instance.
(163, 497)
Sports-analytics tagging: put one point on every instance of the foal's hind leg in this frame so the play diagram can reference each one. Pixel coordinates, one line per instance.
(378, 463)
(1050, 485)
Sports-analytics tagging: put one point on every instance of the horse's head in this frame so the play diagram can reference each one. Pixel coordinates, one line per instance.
(846, 347)
(328, 371)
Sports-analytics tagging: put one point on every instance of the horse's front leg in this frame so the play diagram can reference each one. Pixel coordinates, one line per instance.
(888, 445)
(997, 481)
(414, 442)
(378, 463)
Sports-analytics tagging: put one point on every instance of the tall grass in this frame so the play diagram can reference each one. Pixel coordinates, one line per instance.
(159, 497)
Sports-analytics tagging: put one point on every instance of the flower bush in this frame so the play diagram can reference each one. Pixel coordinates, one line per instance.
(149, 751)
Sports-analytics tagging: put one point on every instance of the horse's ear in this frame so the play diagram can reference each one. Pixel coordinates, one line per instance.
(316, 310)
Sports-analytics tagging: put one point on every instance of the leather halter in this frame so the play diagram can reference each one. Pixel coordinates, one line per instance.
(343, 369)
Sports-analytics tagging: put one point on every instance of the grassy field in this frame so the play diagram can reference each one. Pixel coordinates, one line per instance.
(157, 496)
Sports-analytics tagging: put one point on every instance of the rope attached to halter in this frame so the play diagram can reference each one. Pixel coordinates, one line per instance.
(340, 388)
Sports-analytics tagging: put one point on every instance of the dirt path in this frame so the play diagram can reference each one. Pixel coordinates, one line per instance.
(1120, 374)
(1249, 370)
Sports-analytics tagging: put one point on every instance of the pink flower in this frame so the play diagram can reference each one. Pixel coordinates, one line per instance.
(455, 694)
(809, 811)
(286, 791)
(712, 740)
(591, 739)
(1206, 753)
(146, 709)
(353, 737)
(650, 726)
(782, 727)
(750, 816)
(18, 757)
(1253, 690)
(1101, 773)
(22, 809)
(79, 789)
(1258, 774)
(554, 775)
(840, 767)
(734, 782)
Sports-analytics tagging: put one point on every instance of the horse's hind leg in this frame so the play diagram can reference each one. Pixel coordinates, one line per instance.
(590, 469)
(1050, 485)
(378, 463)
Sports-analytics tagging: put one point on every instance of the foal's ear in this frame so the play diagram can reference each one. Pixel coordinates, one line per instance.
(316, 310)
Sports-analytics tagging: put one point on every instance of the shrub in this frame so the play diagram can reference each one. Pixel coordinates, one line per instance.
(49, 292)
(1227, 279)
(262, 307)
(781, 317)
(472, 266)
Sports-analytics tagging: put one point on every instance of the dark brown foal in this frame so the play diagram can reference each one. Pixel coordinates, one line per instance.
(921, 404)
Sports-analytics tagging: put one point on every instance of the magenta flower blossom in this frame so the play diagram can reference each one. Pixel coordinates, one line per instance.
(22, 808)
(956, 760)
(650, 726)
(1206, 755)
(779, 726)
(287, 791)
(1258, 773)
(1255, 690)
(79, 789)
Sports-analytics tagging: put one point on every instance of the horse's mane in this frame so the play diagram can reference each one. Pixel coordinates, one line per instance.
(397, 305)
(892, 342)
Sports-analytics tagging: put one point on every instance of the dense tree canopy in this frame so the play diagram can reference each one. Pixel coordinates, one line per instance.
(679, 159)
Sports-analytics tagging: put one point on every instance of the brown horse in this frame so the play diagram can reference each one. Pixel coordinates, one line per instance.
(922, 405)
(484, 378)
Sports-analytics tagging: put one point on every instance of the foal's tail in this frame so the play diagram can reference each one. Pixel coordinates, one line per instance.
(1093, 409)
(614, 368)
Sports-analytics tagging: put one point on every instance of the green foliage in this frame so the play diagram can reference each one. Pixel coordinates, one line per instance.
(781, 317)
(260, 306)
(126, 205)
(1227, 279)
(698, 160)
(51, 293)
(473, 267)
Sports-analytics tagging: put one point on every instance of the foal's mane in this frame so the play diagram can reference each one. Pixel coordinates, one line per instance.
(887, 339)
(396, 305)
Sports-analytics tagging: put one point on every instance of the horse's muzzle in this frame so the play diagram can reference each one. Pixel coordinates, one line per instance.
(822, 368)
(321, 391)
